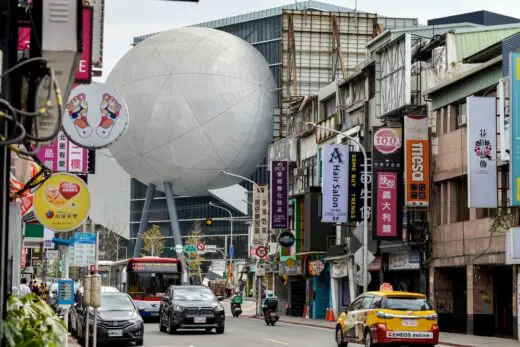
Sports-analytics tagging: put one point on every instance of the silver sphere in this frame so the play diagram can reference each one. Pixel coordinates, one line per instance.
(201, 100)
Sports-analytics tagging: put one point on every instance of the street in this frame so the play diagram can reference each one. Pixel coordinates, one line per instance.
(243, 331)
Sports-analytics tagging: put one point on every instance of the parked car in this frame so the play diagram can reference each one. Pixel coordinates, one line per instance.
(191, 307)
(118, 321)
(388, 317)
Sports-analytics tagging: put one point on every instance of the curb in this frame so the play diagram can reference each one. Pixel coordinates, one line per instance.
(332, 328)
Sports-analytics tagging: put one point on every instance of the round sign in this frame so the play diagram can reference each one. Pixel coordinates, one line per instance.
(261, 251)
(387, 140)
(62, 202)
(200, 246)
(318, 266)
(95, 115)
(286, 239)
(179, 248)
(290, 262)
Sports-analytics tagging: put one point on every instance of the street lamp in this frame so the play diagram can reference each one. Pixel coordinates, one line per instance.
(231, 223)
(365, 201)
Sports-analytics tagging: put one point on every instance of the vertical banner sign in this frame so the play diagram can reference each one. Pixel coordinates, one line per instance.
(387, 205)
(335, 183)
(279, 194)
(64, 156)
(84, 69)
(387, 171)
(482, 152)
(356, 180)
(417, 161)
(514, 172)
(260, 215)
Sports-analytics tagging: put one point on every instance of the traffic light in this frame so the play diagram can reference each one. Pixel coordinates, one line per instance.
(209, 221)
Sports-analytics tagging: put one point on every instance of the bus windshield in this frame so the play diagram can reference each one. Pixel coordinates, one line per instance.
(150, 285)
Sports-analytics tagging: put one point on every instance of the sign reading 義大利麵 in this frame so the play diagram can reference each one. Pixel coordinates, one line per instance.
(95, 115)
(417, 161)
(387, 181)
(482, 152)
(514, 172)
(279, 194)
(62, 202)
(335, 183)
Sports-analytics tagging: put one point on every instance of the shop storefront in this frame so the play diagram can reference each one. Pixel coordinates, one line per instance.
(404, 271)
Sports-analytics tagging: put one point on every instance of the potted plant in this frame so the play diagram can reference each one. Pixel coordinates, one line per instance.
(31, 322)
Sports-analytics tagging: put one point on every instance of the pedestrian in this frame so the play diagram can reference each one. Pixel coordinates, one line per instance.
(24, 288)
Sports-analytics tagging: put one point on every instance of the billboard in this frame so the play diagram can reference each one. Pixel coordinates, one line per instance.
(335, 183)
(514, 172)
(356, 179)
(417, 161)
(64, 156)
(482, 152)
(260, 216)
(97, 33)
(387, 169)
(84, 69)
(279, 195)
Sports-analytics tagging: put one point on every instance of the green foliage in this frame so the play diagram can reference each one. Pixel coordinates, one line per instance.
(32, 323)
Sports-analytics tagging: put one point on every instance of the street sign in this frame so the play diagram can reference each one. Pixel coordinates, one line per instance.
(358, 257)
(210, 248)
(65, 292)
(231, 251)
(359, 277)
(52, 255)
(178, 248)
(190, 248)
(261, 251)
(200, 246)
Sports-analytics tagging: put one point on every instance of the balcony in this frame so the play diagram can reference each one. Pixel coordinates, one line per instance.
(304, 110)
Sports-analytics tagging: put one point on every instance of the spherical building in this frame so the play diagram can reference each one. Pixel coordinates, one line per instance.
(200, 100)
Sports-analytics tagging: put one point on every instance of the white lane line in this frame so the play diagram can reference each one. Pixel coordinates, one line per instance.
(280, 342)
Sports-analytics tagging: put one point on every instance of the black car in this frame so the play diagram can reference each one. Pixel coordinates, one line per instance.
(191, 307)
(118, 321)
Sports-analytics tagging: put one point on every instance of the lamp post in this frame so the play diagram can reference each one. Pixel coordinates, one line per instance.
(231, 237)
(256, 286)
(365, 201)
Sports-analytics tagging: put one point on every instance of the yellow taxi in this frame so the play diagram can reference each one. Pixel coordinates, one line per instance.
(388, 317)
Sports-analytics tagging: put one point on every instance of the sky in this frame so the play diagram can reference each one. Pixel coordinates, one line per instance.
(125, 19)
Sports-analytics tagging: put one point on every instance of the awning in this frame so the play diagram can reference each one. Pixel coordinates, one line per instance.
(338, 257)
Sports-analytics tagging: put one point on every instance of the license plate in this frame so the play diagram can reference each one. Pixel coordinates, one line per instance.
(409, 322)
(115, 333)
(199, 320)
(273, 314)
(409, 335)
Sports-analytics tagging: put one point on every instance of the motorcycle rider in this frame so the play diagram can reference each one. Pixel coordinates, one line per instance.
(270, 302)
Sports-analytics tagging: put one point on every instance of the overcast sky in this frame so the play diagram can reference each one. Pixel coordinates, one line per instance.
(125, 19)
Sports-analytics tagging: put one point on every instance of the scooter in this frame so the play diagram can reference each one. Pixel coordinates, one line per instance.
(236, 310)
(270, 317)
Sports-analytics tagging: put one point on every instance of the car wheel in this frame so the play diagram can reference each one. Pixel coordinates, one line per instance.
(171, 328)
(340, 339)
(139, 342)
(220, 330)
(368, 339)
(162, 328)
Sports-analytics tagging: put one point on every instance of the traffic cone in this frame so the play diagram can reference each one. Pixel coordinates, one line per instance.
(327, 314)
(331, 315)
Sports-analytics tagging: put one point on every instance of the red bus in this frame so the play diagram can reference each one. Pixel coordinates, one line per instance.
(146, 280)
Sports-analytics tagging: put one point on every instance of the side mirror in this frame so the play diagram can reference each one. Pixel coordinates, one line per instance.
(166, 299)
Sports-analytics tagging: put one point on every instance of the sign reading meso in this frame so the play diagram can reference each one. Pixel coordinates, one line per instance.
(154, 267)
(417, 161)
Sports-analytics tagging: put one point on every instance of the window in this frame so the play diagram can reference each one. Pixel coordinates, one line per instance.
(356, 304)
(116, 303)
(193, 294)
(406, 304)
(367, 302)
(461, 115)
(377, 303)
(329, 107)
(309, 167)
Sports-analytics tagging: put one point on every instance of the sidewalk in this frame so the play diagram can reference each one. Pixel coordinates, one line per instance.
(446, 339)
(73, 342)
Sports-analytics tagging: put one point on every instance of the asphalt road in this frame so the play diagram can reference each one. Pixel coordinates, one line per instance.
(244, 332)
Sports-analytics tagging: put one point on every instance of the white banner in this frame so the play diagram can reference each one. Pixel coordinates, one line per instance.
(335, 183)
(482, 152)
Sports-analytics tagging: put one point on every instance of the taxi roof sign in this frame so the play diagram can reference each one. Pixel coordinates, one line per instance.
(386, 287)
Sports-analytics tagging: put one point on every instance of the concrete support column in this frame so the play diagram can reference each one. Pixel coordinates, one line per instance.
(334, 293)
(469, 299)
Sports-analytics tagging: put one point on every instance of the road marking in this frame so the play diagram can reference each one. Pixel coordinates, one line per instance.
(280, 342)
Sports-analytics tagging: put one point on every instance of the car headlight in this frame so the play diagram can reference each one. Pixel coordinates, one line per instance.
(218, 307)
(178, 308)
(136, 320)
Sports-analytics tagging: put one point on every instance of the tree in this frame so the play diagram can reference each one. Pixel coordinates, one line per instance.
(153, 242)
(194, 260)
(110, 243)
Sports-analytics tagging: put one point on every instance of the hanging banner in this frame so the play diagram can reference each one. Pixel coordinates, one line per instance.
(279, 194)
(260, 215)
(356, 179)
(64, 156)
(387, 206)
(482, 152)
(417, 161)
(84, 69)
(387, 157)
(514, 172)
(335, 183)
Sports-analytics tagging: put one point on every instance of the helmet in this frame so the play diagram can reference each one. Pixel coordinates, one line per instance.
(269, 294)
(237, 291)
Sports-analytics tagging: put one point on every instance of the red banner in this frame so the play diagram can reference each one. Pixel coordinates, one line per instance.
(387, 204)
(84, 69)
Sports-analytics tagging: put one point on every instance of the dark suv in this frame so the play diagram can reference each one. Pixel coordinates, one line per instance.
(191, 307)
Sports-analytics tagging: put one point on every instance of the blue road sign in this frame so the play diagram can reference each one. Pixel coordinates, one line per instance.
(231, 251)
(65, 292)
